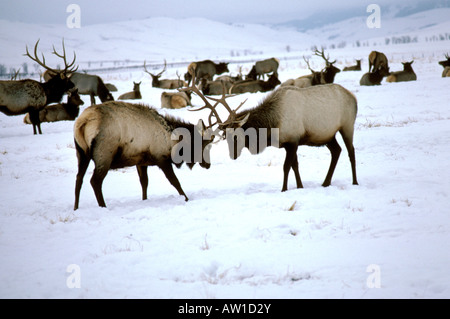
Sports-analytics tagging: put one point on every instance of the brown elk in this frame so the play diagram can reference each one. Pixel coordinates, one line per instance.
(205, 69)
(356, 67)
(216, 87)
(87, 84)
(119, 134)
(407, 74)
(290, 117)
(375, 77)
(377, 60)
(263, 67)
(253, 86)
(133, 95)
(325, 76)
(165, 83)
(175, 100)
(60, 112)
(446, 65)
(30, 96)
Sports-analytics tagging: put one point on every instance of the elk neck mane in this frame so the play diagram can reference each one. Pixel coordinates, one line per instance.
(266, 113)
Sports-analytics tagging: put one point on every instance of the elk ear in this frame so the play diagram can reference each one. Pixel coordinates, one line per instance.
(200, 127)
(240, 123)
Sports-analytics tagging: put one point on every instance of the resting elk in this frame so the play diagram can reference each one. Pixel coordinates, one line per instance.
(120, 134)
(356, 67)
(374, 77)
(30, 96)
(446, 65)
(88, 84)
(60, 112)
(407, 74)
(377, 60)
(165, 83)
(133, 95)
(310, 116)
(253, 86)
(205, 69)
(175, 100)
(263, 67)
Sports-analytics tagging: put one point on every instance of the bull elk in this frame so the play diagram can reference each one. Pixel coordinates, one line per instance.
(133, 95)
(253, 86)
(30, 96)
(165, 83)
(120, 134)
(356, 67)
(378, 60)
(205, 69)
(310, 116)
(407, 74)
(446, 65)
(263, 67)
(60, 112)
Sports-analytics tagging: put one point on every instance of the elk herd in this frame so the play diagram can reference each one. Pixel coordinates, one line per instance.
(307, 110)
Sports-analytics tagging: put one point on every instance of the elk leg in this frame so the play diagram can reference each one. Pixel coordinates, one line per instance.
(96, 181)
(143, 178)
(335, 150)
(170, 175)
(92, 99)
(296, 172)
(351, 154)
(291, 155)
(83, 163)
(34, 118)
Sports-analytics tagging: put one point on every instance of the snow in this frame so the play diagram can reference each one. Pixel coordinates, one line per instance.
(238, 236)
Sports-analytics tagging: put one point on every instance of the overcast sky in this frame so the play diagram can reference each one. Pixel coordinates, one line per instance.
(101, 11)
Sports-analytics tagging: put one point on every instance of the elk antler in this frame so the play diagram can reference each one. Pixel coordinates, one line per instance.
(232, 118)
(14, 76)
(42, 62)
(322, 55)
(160, 73)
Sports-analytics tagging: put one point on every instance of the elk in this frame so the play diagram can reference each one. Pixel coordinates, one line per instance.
(253, 86)
(287, 118)
(164, 84)
(407, 74)
(356, 67)
(446, 65)
(60, 112)
(205, 69)
(375, 77)
(216, 87)
(30, 96)
(263, 67)
(377, 60)
(88, 84)
(119, 134)
(133, 95)
(175, 100)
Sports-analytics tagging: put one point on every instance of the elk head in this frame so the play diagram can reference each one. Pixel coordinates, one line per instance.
(156, 77)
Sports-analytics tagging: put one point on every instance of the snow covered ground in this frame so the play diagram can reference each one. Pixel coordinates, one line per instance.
(238, 236)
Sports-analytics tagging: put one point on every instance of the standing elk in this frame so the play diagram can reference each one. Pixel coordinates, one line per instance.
(253, 86)
(310, 116)
(164, 84)
(118, 134)
(375, 77)
(175, 100)
(87, 84)
(407, 74)
(377, 60)
(30, 96)
(263, 67)
(446, 65)
(356, 67)
(60, 112)
(133, 95)
(205, 69)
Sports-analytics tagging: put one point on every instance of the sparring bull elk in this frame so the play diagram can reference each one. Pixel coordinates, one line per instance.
(30, 96)
(119, 134)
(291, 117)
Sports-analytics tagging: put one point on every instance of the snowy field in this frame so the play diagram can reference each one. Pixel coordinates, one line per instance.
(238, 236)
